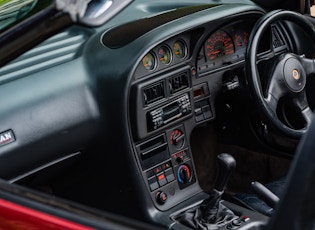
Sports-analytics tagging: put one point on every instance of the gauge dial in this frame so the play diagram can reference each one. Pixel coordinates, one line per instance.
(179, 49)
(241, 39)
(148, 61)
(219, 44)
(164, 54)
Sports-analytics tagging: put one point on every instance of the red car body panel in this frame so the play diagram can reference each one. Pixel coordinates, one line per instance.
(14, 216)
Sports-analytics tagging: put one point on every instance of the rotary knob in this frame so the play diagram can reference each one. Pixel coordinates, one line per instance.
(184, 174)
(177, 138)
(161, 197)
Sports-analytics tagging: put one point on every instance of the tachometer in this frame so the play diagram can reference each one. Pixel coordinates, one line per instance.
(219, 44)
(241, 39)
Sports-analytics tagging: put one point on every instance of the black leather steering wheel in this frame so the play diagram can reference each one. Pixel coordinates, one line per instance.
(287, 74)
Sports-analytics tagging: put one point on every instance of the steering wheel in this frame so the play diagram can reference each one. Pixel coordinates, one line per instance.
(287, 74)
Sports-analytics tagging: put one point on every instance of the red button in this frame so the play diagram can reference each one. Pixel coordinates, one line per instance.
(161, 177)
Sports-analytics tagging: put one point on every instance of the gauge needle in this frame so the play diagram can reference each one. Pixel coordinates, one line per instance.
(215, 52)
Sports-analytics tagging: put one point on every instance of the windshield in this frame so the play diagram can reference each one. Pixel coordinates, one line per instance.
(13, 11)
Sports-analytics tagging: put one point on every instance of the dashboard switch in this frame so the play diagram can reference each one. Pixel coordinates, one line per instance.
(161, 197)
(161, 179)
(169, 175)
(153, 183)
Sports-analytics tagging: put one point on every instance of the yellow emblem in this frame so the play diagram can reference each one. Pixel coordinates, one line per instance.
(295, 74)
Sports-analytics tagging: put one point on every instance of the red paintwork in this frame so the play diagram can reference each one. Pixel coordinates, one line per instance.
(14, 216)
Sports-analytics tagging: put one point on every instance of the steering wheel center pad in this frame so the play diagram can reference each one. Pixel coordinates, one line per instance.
(294, 75)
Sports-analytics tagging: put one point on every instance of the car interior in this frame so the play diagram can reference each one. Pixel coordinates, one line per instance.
(172, 114)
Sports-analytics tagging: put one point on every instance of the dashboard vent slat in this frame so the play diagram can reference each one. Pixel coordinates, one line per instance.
(277, 40)
(178, 83)
(153, 93)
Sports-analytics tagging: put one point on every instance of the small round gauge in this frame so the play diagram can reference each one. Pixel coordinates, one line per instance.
(148, 61)
(164, 54)
(180, 49)
(219, 44)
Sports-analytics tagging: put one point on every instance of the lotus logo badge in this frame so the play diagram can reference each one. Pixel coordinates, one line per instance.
(295, 74)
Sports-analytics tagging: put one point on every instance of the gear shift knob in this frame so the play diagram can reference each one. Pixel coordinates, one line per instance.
(226, 164)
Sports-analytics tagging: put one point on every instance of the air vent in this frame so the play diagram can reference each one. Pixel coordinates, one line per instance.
(277, 40)
(56, 50)
(178, 82)
(153, 93)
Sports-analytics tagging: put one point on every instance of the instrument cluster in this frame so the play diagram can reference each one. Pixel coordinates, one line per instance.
(224, 46)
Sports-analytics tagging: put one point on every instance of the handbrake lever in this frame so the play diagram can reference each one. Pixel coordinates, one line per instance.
(265, 194)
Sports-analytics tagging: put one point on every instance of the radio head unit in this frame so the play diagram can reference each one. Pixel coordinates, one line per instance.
(174, 110)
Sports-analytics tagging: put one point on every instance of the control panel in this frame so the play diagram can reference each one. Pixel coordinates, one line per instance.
(161, 101)
(167, 166)
(165, 105)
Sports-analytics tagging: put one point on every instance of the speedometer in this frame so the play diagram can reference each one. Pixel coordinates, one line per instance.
(219, 44)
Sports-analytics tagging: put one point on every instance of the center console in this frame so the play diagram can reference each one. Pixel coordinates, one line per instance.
(165, 109)
(168, 100)
(164, 112)
(167, 167)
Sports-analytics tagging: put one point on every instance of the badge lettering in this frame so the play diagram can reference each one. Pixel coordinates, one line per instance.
(6, 137)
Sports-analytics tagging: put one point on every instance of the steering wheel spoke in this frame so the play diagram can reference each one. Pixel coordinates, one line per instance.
(276, 85)
(265, 56)
(308, 64)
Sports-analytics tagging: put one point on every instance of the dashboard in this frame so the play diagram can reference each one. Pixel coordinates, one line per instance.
(174, 89)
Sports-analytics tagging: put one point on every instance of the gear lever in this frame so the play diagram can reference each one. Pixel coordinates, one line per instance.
(211, 213)
(211, 206)
(226, 165)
